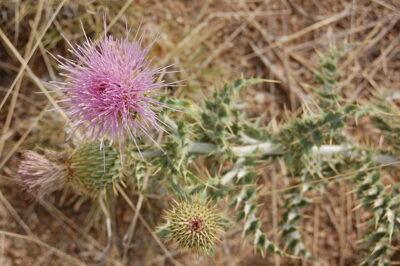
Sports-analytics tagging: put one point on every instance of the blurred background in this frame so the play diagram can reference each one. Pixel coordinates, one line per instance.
(207, 43)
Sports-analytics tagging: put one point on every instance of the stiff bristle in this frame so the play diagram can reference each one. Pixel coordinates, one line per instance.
(42, 174)
(195, 225)
(94, 168)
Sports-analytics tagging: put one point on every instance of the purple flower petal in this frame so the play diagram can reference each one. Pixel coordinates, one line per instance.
(108, 89)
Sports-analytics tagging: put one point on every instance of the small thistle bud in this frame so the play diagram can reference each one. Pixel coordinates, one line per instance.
(194, 225)
(89, 169)
(42, 174)
(93, 168)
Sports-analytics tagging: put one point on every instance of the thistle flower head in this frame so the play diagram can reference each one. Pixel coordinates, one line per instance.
(42, 174)
(108, 88)
(93, 169)
(194, 225)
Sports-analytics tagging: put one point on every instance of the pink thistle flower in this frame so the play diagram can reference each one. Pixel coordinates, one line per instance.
(41, 174)
(108, 89)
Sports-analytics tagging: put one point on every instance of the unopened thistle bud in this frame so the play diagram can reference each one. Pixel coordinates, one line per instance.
(89, 169)
(93, 169)
(194, 225)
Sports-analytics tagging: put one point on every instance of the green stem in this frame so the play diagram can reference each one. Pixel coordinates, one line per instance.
(269, 148)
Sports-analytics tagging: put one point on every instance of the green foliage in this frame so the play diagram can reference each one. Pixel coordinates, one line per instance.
(245, 203)
(220, 121)
(327, 76)
(387, 119)
(176, 148)
(247, 206)
(298, 137)
(383, 203)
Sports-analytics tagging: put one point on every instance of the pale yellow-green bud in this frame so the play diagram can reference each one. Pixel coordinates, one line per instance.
(194, 224)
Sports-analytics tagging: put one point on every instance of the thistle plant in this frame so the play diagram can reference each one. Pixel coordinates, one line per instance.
(108, 95)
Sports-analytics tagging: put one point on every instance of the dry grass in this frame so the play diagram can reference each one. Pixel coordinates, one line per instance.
(208, 43)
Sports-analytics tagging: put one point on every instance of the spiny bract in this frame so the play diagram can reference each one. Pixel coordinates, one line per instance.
(93, 168)
(195, 225)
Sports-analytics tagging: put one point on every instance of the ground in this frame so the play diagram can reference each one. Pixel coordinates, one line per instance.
(207, 43)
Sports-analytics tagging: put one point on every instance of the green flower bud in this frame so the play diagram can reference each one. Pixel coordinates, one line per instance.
(93, 169)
